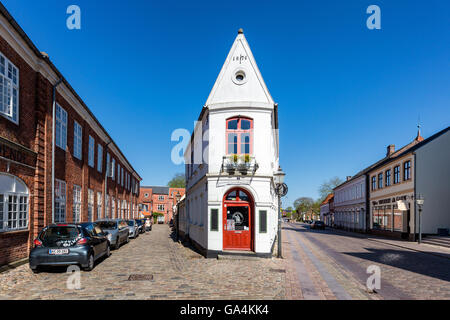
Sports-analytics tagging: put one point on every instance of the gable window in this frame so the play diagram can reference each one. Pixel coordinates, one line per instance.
(380, 180)
(99, 158)
(388, 177)
(161, 198)
(374, 183)
(239, 136)
(407, 170)
(60, 127)
(396, 174)
(9, 90)
(77, 139)
(91, 151)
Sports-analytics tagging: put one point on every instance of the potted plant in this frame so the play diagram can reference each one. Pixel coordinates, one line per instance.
(231, 164)
(244, 163)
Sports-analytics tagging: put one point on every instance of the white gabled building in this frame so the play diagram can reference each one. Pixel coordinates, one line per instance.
(230, 198)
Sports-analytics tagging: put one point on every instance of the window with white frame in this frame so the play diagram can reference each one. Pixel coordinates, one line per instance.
(99, 158)
(60, 127)
(76, 203)
(113, 168)
(91, 152)
(113, 208)
(119, 212)
(124, 209)
(161, 198)
(9, 90)
(160, 207)
(77, 140)
(121, 176)
(118, 173)
(60, 201)
(90, 205)
(13, 203)
(107, 206)
(99, 205)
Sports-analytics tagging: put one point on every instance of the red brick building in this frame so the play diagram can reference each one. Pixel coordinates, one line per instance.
(83, 150)
(159, 200)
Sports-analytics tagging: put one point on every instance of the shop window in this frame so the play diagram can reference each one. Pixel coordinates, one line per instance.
(14, 199)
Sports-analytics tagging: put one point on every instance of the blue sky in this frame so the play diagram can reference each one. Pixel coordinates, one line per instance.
(344, 92)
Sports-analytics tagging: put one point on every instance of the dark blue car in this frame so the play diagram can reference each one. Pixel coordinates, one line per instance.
(69, 244)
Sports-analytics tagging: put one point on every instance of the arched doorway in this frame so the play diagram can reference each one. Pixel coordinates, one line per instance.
(238, 220)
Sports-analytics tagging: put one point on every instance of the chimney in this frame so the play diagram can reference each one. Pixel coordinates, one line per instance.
(349, 177)
(390, 150)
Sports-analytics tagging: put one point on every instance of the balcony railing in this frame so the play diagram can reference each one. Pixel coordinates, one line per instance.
(239, 164)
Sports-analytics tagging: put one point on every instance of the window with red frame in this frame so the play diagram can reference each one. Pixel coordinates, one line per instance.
(239, 136)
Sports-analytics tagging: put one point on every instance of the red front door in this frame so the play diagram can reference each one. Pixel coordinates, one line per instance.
(237, 221)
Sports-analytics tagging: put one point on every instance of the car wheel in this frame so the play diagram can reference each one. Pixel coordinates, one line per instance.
(117, 245)
(128, 239)
(35, 270)
(91, 261)
(108, 251)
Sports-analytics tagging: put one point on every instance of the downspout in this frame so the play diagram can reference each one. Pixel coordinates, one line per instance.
(53, 146)
(415, 207)
(106, 178)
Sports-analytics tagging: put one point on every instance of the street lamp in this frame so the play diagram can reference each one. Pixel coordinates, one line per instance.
(419, 201)
(281, 190)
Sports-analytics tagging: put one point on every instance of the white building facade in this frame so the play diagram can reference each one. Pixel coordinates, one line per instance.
(231, 204)
(350, 204)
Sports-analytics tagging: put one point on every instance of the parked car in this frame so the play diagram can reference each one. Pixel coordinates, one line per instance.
(133, 228)
(141, 226)
(148, 224)
(69, 244)
(117, 229)
(318, 225)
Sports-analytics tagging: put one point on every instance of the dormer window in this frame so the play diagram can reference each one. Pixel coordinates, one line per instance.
(239, 135)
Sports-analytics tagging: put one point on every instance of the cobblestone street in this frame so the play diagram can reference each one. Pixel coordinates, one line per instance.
(317, 265)
(178, 273)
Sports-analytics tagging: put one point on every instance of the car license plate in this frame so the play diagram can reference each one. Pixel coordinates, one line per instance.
(58, 251)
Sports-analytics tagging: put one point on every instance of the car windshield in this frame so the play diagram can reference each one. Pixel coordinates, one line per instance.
(107, 225)
(139, 222)
(130, 223)
(60, 236)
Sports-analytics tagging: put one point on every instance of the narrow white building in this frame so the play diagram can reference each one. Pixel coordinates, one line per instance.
(231, 204)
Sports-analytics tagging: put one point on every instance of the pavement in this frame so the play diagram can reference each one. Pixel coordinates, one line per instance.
(332, 264)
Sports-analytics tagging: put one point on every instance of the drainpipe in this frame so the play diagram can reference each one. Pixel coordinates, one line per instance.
(106, 178)
(53, 146)
(415, 206)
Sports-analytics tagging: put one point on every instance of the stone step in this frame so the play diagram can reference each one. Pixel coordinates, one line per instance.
(237, 255)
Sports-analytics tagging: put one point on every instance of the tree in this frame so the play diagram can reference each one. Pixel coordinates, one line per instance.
(327, 187)
(178, 181)
(303, 204)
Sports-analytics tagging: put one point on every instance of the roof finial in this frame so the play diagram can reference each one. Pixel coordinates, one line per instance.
(240, 31)
(419, 137)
